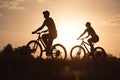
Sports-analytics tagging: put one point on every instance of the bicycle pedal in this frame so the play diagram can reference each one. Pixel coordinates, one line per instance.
(90, 54)
(48, 54)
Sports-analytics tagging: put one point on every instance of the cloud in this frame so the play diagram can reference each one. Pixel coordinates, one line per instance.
(14, 4)
(115, 20)
(11, 4)
(41, 0)
(113, 25)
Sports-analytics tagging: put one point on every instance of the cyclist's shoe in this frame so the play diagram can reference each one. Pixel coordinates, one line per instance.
(90, 54)
(48, 53)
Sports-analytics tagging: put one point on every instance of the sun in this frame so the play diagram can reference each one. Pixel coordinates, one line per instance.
(68, 34)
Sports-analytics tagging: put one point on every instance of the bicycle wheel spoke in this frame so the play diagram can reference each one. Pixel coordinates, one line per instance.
(59, 52)
(77, 52)
(35, 49)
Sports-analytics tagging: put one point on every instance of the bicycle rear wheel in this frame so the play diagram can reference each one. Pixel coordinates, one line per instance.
(35, 49)
(59, 52)
(99, 53)
(77, 52)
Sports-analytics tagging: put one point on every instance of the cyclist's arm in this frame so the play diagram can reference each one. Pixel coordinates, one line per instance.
(82, 34)
(40, 28)
(87, 36)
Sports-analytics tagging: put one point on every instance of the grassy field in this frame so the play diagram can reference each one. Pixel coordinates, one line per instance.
(27, 68)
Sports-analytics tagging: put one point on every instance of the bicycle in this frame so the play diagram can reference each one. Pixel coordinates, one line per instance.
(37, 47)
(80, 51)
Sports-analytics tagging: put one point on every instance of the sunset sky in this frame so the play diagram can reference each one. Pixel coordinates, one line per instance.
(18, 18)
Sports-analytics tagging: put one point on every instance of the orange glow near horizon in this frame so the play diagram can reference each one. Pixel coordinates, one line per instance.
(68, 33)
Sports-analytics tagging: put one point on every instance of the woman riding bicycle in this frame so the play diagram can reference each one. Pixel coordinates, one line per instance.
(94, 37)
(52, 33)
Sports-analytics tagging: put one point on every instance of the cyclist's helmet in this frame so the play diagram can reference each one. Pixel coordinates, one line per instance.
(47, 13)
(88, 24)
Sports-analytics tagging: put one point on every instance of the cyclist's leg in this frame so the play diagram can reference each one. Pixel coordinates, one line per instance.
(50, 41)
(91, 45)
(92, 41)
(95, 39)
(45, 38)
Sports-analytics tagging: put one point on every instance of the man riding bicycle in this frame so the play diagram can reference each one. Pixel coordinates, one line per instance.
(94, 37)
(52, 32)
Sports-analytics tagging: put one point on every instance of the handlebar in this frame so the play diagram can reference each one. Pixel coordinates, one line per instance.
(38, 33)
(82, 39)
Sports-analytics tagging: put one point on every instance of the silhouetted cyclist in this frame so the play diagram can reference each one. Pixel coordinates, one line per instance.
(52, 33)
(94, 37)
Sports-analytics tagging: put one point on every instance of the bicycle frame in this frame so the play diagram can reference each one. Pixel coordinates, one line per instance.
(80, 51)
(38, 46)
(84, 44)
(40, 40)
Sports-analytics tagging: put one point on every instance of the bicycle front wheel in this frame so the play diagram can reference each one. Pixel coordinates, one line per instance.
(35, 49)
(77, 52)
(99, 52)
(59, 52)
